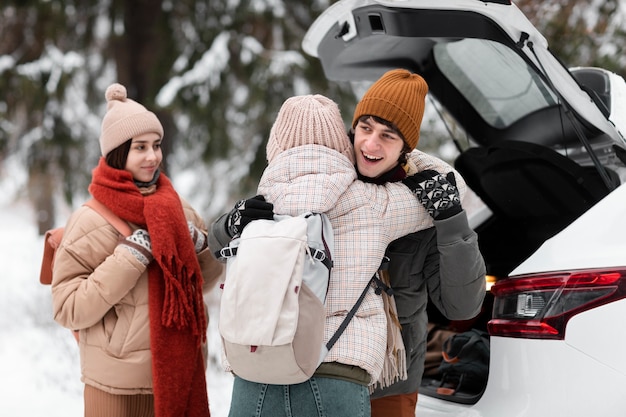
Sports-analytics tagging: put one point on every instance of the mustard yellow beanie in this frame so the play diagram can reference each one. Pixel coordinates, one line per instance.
(398, 97)
(124, 119)
(307, 120)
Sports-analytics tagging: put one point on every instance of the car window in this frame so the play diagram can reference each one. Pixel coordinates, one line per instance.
(497, 81)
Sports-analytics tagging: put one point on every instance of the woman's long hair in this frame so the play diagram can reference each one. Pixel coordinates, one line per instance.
(117, 157)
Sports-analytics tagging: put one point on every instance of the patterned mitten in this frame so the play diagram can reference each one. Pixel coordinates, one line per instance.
(437, 193)
(198, 237)
(245, 211)
(139, 245)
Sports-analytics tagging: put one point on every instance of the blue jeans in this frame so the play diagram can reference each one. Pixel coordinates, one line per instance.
(317, 397)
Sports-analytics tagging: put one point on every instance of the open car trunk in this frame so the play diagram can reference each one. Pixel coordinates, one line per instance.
(539, 149)
(528, 157)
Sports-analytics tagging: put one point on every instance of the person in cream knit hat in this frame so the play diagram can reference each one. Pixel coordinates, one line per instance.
(137, 300)
(311, 168)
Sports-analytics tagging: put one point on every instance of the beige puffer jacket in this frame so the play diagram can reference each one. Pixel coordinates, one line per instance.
(101, 289)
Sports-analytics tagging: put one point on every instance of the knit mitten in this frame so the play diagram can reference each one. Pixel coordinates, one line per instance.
(198, 237)
(245, 211)
(139, 245)
(437, 193)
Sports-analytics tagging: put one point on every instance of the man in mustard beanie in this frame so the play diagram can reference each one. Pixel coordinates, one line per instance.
(442, 263)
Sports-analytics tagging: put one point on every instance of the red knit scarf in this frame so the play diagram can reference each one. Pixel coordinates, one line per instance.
(177, 315)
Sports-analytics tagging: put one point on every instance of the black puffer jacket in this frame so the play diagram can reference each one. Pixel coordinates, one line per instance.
(442, 263)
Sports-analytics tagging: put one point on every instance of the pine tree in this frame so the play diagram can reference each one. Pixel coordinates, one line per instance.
(214, 72)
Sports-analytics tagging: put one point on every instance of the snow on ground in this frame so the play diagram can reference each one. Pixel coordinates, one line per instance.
(39, 364)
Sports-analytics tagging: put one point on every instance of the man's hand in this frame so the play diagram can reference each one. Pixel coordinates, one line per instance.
(437, 193)
(245, 211)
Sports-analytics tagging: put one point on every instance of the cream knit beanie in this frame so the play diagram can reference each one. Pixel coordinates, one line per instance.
(306, 120)
(124, 119)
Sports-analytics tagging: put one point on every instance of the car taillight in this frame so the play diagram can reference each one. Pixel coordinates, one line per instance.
(538, 306)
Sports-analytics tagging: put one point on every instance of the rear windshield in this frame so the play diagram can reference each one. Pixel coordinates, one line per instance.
(496, 80)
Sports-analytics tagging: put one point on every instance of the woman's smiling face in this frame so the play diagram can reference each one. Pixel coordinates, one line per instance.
(144, 157)
(377, 147)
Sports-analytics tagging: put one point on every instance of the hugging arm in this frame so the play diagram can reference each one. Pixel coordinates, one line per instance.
(230, 225)
(438, 193)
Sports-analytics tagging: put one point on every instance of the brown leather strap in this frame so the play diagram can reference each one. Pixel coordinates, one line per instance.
(119, 224)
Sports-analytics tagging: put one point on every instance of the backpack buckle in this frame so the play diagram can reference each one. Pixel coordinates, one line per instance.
(228, 252)
(318, 255)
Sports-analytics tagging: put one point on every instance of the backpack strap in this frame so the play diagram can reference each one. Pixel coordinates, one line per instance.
(320, 255)
(317, 254)
(53, 237)
(379, 287)
(119, 224)
(326, 258)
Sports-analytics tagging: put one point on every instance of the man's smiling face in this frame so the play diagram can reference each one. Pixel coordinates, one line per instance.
(377, 147)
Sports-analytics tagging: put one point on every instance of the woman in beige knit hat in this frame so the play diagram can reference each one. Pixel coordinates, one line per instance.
(311, 168)
(137, 300)
(442, 263)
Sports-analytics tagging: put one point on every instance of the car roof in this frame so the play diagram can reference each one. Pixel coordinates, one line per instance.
(483, 60)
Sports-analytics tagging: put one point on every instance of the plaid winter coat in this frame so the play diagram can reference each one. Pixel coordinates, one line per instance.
(365, 219)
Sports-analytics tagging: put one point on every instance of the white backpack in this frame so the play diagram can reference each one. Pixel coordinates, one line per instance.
(272, 306)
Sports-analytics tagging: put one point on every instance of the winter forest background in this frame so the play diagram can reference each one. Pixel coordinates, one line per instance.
(215, 72)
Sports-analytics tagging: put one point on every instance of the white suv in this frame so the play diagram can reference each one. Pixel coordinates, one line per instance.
(543, 149)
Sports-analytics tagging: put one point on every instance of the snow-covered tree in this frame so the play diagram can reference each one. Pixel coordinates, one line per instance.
(214, 71)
